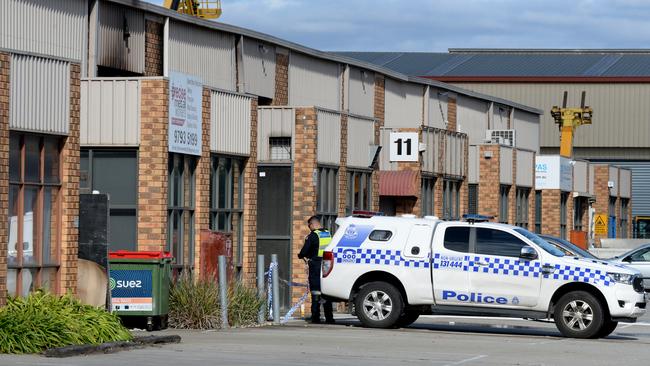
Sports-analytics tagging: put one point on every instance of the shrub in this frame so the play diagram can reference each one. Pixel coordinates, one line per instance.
(195, 304)
(42, 320)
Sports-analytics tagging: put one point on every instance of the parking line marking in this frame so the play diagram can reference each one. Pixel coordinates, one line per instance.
(467, 360)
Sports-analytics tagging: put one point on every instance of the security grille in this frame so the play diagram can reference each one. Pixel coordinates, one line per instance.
(502, 137)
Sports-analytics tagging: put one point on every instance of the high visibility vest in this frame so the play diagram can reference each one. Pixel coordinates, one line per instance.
(324, 239)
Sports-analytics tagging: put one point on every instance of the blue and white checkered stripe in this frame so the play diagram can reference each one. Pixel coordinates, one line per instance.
(570, 273)
(380, 257)
(506, 266)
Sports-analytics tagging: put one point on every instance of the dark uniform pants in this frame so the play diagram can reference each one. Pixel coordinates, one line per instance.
(314, 287)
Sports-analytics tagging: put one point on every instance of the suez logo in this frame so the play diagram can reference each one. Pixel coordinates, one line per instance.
(124, 284)
(474, 297)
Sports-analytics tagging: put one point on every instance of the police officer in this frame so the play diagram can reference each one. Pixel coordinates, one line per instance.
(312, 250)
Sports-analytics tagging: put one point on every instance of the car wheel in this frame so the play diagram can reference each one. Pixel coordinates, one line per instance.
(379, 305)
(409, 317)
(579, 314)
(608, 327)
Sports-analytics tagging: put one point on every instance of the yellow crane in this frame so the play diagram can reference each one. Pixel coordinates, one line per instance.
(568, 119)
(206, 9)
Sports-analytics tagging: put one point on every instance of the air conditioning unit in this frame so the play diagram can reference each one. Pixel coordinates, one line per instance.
(501, 137)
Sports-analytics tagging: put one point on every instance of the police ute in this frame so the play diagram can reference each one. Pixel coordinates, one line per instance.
(391, 270)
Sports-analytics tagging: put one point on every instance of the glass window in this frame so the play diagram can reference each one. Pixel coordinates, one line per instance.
(521, 214)
(538, 212)
(450, 200)
(504, 191)
(34, 208)
(380, 235)
(327, 196)
(497, 242)
(642, 255)
(579, 208)
(181, 190)
(428, 196)
(280, 148)
(549, 247)
(359, 195)
(472, 197)
(624, 217)
(564, 197)
(457, 239)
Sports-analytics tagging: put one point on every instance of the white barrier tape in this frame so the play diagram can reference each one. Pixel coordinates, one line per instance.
(294, 308)
(269, 292)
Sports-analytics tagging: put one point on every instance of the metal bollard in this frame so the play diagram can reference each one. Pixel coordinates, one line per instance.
(276, 290)
(223, 291)
(260, 287)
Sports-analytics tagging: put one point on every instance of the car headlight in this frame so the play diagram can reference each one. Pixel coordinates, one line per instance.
(623, 278)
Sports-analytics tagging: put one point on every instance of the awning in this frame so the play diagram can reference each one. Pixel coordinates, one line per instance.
(398, 183)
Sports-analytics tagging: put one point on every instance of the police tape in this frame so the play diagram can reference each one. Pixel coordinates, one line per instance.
(269, 292)
(295, 307)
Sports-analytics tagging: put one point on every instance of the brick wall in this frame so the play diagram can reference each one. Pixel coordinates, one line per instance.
(551, 212)
(70, 190)
(451, 114)
(512, 195)
(531, 201)
(152, 166)
(489, 182)
(250, 204)
(153, 49)
(379, 115)
(4, 171)
(464, 188)
(601, 206)
(281, 79)
(202, 194)
(343, 170)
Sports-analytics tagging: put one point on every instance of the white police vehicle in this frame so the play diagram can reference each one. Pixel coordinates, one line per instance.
(393, 269)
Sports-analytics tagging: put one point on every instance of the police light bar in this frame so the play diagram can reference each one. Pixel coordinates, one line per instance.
(472, 218)
(367, 214)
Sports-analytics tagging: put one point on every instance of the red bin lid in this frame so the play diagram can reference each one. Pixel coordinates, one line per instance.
(127, 254)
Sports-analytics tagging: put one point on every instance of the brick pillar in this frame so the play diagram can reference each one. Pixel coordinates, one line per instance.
(202, 184)
(153, 49)
(343, 170)
(451, 114)
(250, 204)
(5, 60)
(379, 114)
(70, 190)
(489, 181)
(551, 211)
(304, 189)
(531, 200)
(281, 78)
(152, 166)
(464, 190)
(512, 195)
(601, 191)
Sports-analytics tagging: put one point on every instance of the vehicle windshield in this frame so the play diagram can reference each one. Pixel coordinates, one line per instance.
(574, 248)
(540, 242)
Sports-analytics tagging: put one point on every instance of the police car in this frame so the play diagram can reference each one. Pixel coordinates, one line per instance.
(393, 269)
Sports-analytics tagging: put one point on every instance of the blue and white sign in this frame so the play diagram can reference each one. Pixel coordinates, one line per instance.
(553, 172)
(131, 290)
(185, 114)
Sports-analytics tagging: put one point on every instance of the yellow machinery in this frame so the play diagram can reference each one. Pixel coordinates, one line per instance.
(568, 119)
(206, 9)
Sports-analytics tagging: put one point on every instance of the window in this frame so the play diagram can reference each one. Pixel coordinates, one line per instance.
(450, 199)
(181, 202)
(521, 214)
(472, 197)
(226, 199)
(428, 192)
(380, 235)
(503, 204)
(642, 255)
(280, 148)
(34, 213)
(457, 239)
(114, 172)
(564, 197)
(579, 206)
(538, 212)
(359, 195)
(497, 242)
(625, 202)
(327, 197)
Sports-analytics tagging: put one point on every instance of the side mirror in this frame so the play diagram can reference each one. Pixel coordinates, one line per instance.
(528, 253)
(627, 259)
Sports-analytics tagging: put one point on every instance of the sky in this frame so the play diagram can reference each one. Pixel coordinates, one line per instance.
(437, 25)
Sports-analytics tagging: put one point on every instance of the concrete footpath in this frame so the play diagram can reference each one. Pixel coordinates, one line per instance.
(431, 340)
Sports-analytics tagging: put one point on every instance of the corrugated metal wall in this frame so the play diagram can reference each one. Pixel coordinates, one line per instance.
(500, 117)
(39, 98)
(625, 181)
(438, 112)
(431, 137)
(403, 104)
(230, 123)
(621, 111)
(640, 185)
(472, 118)
(474, 161)
(454, 154)
(591, 179)
(53, 28)
(361, 134)
(205, 53)
(274, 122)
(259, 68)
(110, 112)
(505, 165)
(361, 95)
(580, 176)
(113, 50)
(527, 126)
(525, 168)
(314, 82)
(613, 177)
(384, 154)
(329, 137)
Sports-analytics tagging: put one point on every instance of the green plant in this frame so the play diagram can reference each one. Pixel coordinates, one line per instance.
(42, 320)
(243, 305)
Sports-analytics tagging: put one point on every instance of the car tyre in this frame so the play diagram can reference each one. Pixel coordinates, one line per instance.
(379, 305)
(409, 317)
(579, 314)
(608, 327)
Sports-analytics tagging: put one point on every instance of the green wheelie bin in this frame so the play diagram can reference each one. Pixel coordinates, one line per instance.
(139, 283)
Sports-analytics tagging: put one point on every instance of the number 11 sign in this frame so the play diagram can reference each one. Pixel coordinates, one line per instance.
(404, 146)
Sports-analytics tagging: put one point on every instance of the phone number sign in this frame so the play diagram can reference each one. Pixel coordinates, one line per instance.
(185, 103)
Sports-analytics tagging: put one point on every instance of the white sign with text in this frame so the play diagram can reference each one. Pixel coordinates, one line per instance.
(553, 172)
(404, 146)
(185, 117)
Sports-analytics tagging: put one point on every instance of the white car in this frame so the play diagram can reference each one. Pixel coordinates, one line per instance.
(392, 269)
(638, 259)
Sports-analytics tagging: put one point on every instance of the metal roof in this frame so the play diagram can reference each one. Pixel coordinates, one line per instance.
(515, 63)
(341, 58)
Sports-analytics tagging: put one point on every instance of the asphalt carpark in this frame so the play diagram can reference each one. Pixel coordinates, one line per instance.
(432, 340)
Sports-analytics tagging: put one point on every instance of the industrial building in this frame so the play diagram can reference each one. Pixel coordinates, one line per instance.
(193, 127)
